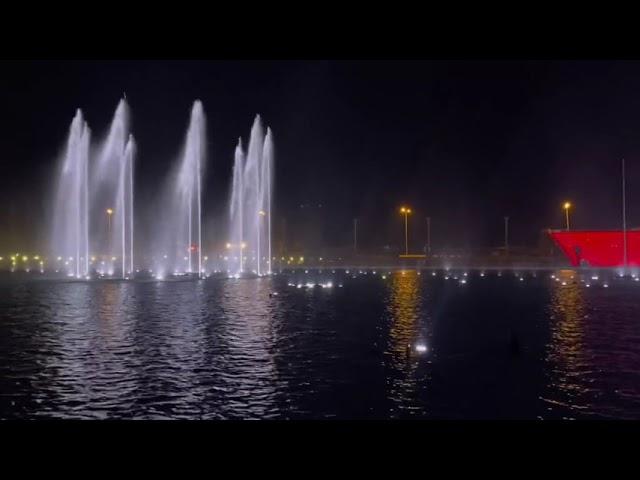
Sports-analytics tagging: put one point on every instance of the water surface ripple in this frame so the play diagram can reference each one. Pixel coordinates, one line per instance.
(411, 345)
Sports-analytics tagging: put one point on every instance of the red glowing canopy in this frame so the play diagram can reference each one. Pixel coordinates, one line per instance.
(598, 248)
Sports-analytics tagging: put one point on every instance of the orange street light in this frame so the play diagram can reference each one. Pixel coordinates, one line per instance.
(567, 207)
(406, 211)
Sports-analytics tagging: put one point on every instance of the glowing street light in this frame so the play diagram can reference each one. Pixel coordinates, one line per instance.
(567, 207)
(109, 213)
(406, 211)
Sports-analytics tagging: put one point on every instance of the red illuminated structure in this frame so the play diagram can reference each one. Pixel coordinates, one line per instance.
(599, 248)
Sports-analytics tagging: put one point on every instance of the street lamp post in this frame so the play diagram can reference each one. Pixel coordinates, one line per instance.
(355, 235)
(262, 214)
(506, 235)
(567, 207)
(406, 211)
(429, 235)
(624, 219)
(109, 213)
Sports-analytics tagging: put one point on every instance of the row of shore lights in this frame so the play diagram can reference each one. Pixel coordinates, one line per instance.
(403, 210)
(25, 259)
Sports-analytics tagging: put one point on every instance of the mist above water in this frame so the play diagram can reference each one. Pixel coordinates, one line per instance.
(70, 234)
(249, 248)
(94, 220)
(179, 235)
(93, 208)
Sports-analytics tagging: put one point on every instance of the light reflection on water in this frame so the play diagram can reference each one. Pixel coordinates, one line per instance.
(250, 379)
(228, 349)
(593, 356)
(566, 354)
(405, 329)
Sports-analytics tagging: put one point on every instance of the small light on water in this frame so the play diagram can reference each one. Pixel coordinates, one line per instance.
(421, 348)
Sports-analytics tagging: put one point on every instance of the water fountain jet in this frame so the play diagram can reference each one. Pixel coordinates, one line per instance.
(70, 236)
(250, 203)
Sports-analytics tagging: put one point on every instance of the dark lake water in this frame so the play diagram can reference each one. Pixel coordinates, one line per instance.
(406, 346)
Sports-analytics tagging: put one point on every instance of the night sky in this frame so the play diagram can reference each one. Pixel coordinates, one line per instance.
(464, 142)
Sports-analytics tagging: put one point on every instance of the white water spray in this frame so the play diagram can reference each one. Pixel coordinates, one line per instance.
(250, 204)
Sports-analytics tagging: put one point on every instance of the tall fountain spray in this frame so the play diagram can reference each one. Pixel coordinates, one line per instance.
(267, 182)
(236, 245)
(250, 206)
(127, 198)
(112, 195)
(70, 239)
(179, 231)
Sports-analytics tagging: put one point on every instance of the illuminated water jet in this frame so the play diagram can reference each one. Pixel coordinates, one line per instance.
(250, 205)
(70, 235)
